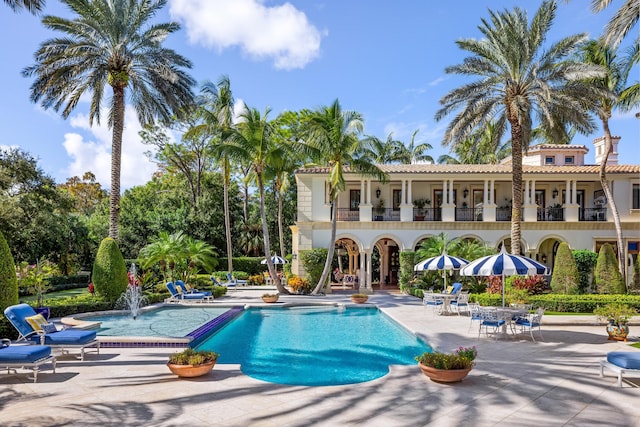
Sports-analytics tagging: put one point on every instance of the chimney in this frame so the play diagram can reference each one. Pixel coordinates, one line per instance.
(598, 143)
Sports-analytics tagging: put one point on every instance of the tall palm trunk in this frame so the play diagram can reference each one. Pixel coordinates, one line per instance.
(280, 226)
(116, 160)
(608, 148)
(265, 232)
(516, 194)
(227, 216)
(332, 244)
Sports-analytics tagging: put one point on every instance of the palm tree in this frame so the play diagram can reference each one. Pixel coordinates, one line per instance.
(252, 140)
(331, 139)
(435, 246)
(413, 153)
(518, 79)
(32, 6)
(111, 43)
(198, 254)
(382, 152)
(482, 147)
(166, 250)
(615, 81)
(625, 18)
(217, 114)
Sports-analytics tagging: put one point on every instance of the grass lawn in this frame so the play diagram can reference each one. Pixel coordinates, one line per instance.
(61, 294)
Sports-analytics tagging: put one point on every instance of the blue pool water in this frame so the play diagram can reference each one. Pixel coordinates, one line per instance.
(172, 322)
(315, 345)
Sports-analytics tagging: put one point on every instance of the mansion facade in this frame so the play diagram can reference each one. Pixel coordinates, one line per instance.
(563, 201)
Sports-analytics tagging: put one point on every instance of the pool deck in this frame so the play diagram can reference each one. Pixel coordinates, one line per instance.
(515, 383)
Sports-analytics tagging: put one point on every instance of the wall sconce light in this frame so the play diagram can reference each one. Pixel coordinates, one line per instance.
(555, 193)
(294, 256)
(544, 258)
(465, 193)
(378, 193)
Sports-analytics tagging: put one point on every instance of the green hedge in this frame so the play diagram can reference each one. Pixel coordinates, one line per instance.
(250, 265)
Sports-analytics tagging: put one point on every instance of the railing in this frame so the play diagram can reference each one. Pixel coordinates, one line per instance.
(593, 214)
(468, 214)
(551, 213)
(427, 214)
(346, 214)
(388, 214)
(503, 214)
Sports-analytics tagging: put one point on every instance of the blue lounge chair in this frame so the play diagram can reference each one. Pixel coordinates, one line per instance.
(20, 315)
(178, 296)
(189, 290)
(25, 356)
(457, 287)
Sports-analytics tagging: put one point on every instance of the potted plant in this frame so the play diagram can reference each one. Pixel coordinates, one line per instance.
(379, 210)
(447, 367)
(419, 204)
(190, 363)
(617, 315)
(270, 298)
(359, 298)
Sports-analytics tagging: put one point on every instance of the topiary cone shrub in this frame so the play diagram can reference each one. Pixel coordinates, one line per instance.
(8, 278)
(109, 275)
(607, 276)
(565, 278)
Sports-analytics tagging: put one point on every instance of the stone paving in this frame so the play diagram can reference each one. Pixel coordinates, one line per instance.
(515, 383)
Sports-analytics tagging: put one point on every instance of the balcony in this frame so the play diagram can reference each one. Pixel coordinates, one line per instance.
(593, 214)
(346, 214)
(469, 214)
(427, 214)
(551, 213)
(385, 214)
(503, 214)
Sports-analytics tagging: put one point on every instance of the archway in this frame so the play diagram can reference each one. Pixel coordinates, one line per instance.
(385, 263)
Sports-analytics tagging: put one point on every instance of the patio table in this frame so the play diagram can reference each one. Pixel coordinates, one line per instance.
(446, 302)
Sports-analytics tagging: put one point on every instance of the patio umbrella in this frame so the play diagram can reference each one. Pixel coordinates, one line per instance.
(442, 262)
(504, 264)
(275, 259)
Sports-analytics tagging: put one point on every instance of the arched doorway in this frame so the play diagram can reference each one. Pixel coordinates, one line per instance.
(385, 262)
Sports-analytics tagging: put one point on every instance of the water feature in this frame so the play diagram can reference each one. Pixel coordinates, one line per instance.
(132, 299)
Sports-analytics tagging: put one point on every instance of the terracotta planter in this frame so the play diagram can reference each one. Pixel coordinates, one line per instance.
(270, 299)
(190, 371)
(359, 300)
(617, 332)
(444, 375)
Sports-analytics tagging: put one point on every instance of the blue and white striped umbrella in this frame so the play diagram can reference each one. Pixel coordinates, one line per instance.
(504, 264)
(441, 262)
(275, 259)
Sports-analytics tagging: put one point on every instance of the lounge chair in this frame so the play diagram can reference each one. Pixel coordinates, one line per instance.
(25, 356)
(34, 329)
(621, 362)
(456, 288)
(185, 288)
(178, 296)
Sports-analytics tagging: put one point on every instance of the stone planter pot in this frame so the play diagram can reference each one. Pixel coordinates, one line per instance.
(190, 371)
(270, 299)
(444, 375)
(617, 332)
(359, 300)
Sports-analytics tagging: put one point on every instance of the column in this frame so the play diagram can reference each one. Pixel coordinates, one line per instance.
(530, 207)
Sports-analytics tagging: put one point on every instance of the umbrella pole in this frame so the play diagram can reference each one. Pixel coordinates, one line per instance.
(504, 285)
(444, 278)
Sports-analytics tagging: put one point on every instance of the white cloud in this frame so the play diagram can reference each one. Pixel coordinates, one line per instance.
(94, 153)
(282, 33)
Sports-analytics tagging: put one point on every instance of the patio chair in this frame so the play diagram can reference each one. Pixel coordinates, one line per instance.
(474, 314)
(25, 357)
(461, 303)
(34, 329)
(185, 288)
(430, 301)
(621, 362)
(178, 296)
(457, 287)
(530, 322)
(489, 320)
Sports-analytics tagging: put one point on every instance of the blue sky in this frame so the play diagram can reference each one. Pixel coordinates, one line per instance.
(384, 59)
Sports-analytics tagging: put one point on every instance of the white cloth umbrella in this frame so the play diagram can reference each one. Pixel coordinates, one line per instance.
(442, 262)
(504, 264)
(275, 259)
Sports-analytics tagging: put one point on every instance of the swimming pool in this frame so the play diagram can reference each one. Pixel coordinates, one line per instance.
(315, 345)
(171, 322)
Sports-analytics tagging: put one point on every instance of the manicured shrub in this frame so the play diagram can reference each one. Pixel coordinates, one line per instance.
(8, 278)
(250, 265)
(607, 276)
(586, 263)
(109, 271)
(407, 261)
(256, 280)
(565, 278)
(635, 283)
(313, 262)
(299, 285)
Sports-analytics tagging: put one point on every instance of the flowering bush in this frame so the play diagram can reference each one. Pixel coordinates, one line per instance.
(91, 288)
(534, 285)
(494, 285)
(461, 358)
(256, 280)
(299, 284)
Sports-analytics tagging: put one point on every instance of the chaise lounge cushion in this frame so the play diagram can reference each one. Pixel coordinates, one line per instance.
(23, 353)
(624, 359)
(67, 337)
